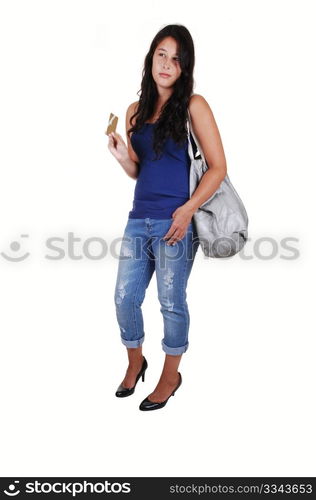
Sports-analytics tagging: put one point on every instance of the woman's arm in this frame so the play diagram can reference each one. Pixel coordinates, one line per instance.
(207, 134)
(125, 155)
(206, 131)
(133, 160)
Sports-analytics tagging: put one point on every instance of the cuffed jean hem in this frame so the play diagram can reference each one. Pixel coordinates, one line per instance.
(133, 343)
(174, 351)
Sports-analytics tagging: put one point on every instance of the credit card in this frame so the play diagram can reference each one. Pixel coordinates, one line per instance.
(112, 124)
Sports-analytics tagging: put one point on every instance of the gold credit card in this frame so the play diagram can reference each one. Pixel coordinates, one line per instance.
(112, 124)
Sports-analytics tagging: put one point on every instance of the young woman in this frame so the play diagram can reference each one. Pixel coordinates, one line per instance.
(160, 234)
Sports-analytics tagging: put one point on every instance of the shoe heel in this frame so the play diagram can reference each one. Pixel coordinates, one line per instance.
(143, 377)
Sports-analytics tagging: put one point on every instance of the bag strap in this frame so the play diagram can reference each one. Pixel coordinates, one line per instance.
(190, 132)
(190, 148)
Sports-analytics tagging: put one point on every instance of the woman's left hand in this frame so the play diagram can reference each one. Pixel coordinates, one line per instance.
(182, 217)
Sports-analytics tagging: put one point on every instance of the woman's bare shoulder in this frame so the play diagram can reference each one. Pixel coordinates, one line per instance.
(197, 101)
(200, 109)
(131, 110)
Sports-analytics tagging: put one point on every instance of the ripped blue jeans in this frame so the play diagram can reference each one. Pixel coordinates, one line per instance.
(142, 252)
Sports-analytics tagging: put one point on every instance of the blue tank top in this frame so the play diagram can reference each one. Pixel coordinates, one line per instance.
(162, 184)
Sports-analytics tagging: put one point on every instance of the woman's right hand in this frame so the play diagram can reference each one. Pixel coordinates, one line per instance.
(118, 147)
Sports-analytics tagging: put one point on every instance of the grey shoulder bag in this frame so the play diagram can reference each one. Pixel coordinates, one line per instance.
(221, 221)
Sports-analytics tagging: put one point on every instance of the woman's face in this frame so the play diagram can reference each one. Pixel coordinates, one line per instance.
(166, 60)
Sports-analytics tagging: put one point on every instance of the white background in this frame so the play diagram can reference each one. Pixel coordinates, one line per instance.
(247, 403)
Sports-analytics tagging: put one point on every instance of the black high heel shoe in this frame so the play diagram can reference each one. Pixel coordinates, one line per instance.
(146, 404)
(122, 391)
